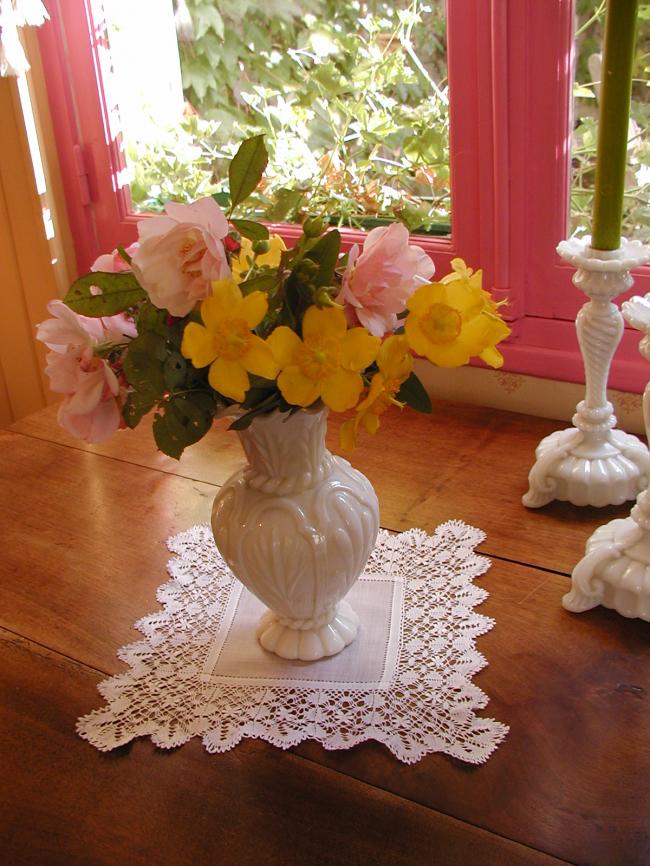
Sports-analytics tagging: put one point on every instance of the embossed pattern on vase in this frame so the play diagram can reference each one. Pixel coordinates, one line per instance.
(297, 525)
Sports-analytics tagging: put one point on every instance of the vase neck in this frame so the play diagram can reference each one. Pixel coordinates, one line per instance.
(286, 452)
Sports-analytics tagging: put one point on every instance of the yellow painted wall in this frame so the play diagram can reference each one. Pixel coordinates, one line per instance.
(27, 278)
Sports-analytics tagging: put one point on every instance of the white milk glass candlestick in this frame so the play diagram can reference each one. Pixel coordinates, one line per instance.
(615, 571)
(592, 463)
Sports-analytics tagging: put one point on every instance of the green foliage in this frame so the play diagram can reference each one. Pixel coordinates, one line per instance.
(154, 371)
(118, 293)
(251, 230)
(414, 395)
(352, 98)
(246, 169)
(181, 421)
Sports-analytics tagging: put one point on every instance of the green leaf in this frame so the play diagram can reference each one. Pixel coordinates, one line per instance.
(427, 147)
(137, 405)
(144, 364)
(118, 293)
(580, 91)
(286, 201)
(326, 254)
(246, 169)
(182, 421)
(246, 420)
(251, 230)
(151, 318)
(123, 254)
(414, 395)
(261, 283)
(260, 395)
(208, 17)
(174, 370)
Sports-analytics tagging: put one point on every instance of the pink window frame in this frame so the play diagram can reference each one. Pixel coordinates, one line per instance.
(511, 101)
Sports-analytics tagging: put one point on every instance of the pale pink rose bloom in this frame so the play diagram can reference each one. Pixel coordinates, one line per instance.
(378, 282)
(91, 408)
(180, 254)
(113, 263)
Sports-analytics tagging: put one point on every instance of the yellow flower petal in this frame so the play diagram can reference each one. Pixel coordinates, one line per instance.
(394, 359)
(448, 355)
(296, 388)
(459, 271)
(329, 322)
(463, 297)
(492, 356)
(341, 390)
(416, 339)
(284, 343)
(359, 349)
(259, 359)
(374, 392)
(424, 296)
(371, 422)
(271, 259)
(242, 262)
(224, 299)
(198, 345)
(252, 309)
(229, 378)
(348, 434)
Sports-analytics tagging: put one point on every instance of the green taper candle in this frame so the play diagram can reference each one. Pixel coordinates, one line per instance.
(613, 121)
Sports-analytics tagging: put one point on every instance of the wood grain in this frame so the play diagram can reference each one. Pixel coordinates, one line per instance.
(84, 544)
(62, 803)
(571, 777)
(464, 462)
(83, 553)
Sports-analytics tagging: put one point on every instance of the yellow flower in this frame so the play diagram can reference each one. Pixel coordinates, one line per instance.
(455, 319)
(225, 340)
(395, 364)
(242, 263)
(326, 362)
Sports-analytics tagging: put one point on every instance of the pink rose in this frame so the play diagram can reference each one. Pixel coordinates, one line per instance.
(378, 282)
(181, 254)
(113, 263)
(91, 408)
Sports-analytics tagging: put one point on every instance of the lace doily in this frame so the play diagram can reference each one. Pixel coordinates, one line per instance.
(406, 683)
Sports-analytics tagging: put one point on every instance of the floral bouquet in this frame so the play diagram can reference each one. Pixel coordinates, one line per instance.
(209, 315)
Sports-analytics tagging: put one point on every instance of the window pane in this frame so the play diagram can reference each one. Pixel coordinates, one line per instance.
(352, 97)
(636, 211)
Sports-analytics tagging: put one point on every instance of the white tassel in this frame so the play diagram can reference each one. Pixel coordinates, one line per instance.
(183, 22)
(30, 13)
(12, 57)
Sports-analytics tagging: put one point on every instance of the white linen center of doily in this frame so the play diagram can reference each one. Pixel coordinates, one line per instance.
(236, 657)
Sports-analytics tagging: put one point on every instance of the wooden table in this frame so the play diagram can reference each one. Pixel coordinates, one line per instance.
(83, 530)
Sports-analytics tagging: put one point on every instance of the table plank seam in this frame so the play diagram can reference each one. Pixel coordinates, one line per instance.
(13, 636)
(39, 649)
(449, 815)
(483, 551)
(112, 458)
(495, 556)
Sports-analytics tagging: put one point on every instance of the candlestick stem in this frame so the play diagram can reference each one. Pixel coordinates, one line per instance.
(615, 570)
(592, 463)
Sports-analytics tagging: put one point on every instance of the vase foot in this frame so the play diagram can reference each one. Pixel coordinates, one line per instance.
(308, 644)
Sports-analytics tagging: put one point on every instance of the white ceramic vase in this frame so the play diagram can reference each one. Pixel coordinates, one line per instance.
(296, 526)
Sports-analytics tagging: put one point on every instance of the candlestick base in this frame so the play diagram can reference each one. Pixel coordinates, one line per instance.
(593, 463)
(572, 467)
(615, 571)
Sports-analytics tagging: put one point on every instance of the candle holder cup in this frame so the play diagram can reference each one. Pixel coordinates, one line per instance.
(592, 463)
(615, 571)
